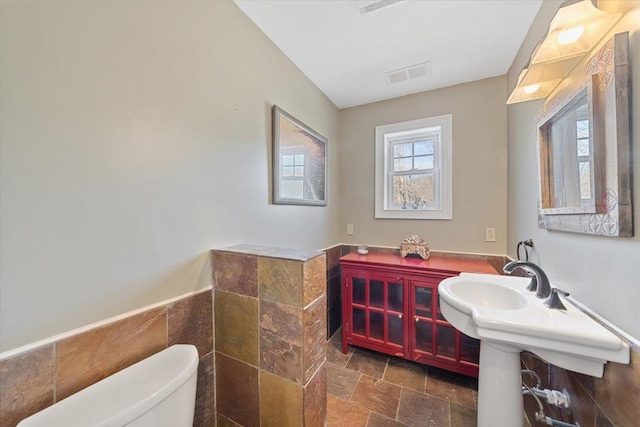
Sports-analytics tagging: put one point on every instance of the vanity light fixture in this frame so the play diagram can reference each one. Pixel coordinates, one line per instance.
(574, 31)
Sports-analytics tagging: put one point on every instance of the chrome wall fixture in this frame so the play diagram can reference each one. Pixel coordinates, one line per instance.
(573, 32)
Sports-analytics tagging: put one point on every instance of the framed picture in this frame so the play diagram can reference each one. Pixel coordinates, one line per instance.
(299, 162)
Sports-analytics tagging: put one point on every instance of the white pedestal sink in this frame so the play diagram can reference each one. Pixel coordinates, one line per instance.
(508, 319)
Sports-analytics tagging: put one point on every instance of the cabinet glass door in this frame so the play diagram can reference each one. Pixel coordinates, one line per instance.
(423, 335)
(377, 307)
(395, 308)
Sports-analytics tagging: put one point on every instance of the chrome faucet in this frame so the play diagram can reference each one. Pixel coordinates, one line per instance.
(543, 285)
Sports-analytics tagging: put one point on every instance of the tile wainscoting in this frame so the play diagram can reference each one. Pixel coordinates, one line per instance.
(39, 377)
(610, 401)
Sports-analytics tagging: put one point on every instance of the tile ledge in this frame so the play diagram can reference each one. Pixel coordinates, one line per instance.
(271, 252)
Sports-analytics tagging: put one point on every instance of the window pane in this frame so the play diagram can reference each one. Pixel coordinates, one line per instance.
(299, 159)
(287, 160)
(376, 294)
(358, 321)
(446, 341)
(423, 301)
(585, 180)
(400, 165)
(582, 128)
(424, 336)
(423, 162)
(395, 296)
(422, 148)
(396, 328)
(402, 150)
(410, 189)
(583, 147)
(358, 291)
(376, 325)
(299, 171)
(287, 171)
(291, 189)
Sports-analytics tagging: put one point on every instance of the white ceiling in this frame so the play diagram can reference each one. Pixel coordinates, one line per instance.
(345, 53)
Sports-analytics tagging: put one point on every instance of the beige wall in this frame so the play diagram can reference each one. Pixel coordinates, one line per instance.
(479, 168)
(134, 137)
(600, 272)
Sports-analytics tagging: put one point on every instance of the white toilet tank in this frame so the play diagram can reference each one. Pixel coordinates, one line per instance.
(159, 391)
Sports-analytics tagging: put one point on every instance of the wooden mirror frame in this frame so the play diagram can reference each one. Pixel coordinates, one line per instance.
(605, 75)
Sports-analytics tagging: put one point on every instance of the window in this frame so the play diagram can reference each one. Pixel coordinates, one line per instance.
(413, 169)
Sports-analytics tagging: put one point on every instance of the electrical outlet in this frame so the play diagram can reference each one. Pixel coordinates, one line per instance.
(350, 229)
(489, 234)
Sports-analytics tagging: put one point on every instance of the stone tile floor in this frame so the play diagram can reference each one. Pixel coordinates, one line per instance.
(369, 389)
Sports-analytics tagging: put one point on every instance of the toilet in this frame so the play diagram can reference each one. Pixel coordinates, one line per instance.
(159, 391)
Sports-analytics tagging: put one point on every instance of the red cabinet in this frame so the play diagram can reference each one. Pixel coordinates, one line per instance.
(390, 304)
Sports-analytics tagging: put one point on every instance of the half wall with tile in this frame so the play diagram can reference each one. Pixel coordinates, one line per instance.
(270, 336)
(40, 376)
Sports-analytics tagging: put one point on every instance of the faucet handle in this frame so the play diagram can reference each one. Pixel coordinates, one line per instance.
(533, 285)
(554, 300)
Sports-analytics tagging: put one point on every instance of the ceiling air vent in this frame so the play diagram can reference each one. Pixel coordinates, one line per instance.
(367, 6)
(408, 73)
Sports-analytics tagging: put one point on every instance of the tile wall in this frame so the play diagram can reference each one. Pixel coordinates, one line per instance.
(35, 379)
(270, 336)
(610, 401)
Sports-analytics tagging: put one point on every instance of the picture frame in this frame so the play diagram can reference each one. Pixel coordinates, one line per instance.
(299, 162)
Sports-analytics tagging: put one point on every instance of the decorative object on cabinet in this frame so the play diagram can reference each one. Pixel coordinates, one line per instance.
(363, 249)
(299, 162)
(414, 244)
(575, 29)
(390, 304)
(584, 147)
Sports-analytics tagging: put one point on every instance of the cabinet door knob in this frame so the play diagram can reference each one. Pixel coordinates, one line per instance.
(399, 316)
(417, 320)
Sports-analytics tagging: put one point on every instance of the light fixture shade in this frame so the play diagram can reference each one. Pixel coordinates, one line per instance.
(531, 91)
(574, 30)
(546, 71)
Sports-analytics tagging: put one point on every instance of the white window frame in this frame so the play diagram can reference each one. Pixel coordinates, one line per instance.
(443, 168)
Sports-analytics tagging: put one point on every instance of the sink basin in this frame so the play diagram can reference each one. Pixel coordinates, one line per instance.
(488, 295)
(507, 319)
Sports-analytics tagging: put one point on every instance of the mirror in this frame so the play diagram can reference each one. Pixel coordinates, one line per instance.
(299, 162)
(584, 147)
(569, 163)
